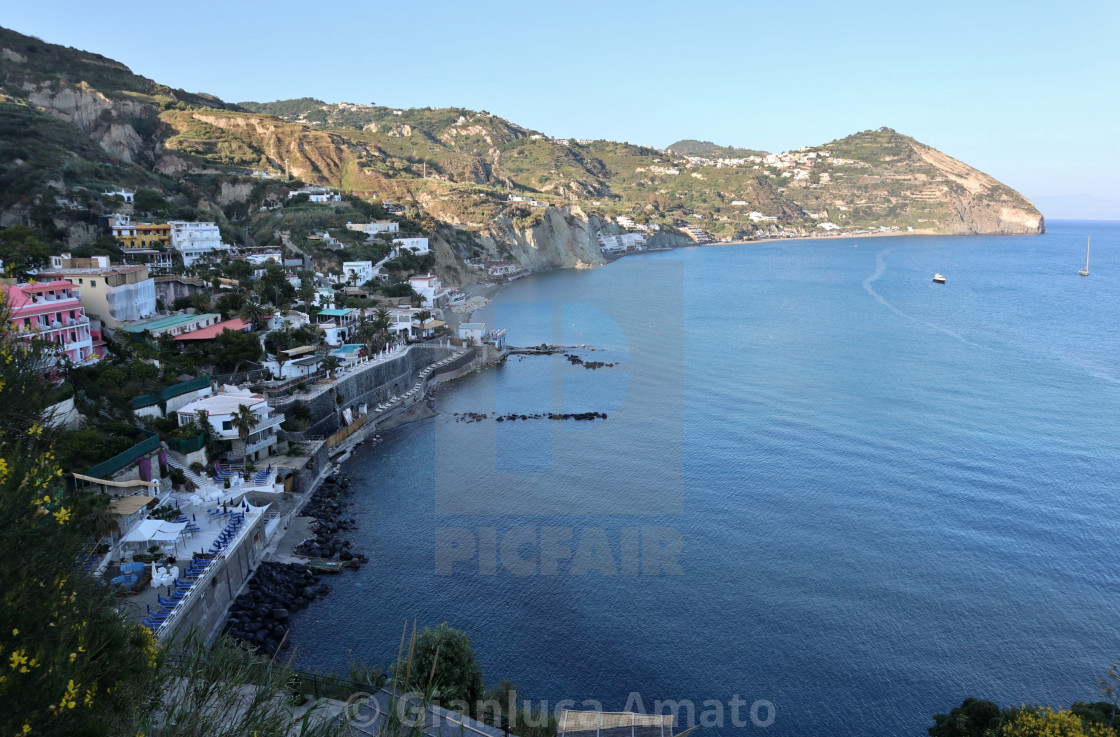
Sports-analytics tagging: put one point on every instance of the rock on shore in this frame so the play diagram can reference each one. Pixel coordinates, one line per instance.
(259, 617)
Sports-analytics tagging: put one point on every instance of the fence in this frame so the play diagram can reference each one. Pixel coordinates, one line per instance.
(346, 432)
(259, 374)
(187, 445)
(147, 400)
(107, 468)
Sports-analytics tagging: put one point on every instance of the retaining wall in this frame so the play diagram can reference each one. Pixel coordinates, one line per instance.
(371, 387)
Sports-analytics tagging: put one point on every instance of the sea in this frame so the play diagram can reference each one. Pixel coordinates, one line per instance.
(830, 496)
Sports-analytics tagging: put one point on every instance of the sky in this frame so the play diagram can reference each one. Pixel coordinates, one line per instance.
(1028, 92)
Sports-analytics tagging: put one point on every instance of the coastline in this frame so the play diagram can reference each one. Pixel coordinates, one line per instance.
(422, 408)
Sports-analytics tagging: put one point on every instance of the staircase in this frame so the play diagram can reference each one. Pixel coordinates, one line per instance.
(194, 477)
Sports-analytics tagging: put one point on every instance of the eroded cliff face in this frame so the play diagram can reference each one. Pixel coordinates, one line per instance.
(106, 120)
(982, 204)
(564, 238)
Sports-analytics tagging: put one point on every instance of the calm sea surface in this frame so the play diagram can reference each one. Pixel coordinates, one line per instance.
(824, 481)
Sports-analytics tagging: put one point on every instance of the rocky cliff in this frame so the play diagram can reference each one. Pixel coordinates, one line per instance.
(478, 185)
(982, 204)
(560, 238)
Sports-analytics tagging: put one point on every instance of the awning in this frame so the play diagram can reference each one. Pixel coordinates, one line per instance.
(130, 504)
(155, 530)
(433, 324)
(299, 351)
(118, 484)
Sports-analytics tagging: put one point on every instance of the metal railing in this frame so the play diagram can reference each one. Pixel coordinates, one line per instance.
(119, 461)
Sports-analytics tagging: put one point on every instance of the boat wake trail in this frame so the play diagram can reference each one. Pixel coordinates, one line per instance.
(880, 269)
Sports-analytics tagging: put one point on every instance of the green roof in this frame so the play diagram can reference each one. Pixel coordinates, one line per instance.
(165, 323)
(335, 313)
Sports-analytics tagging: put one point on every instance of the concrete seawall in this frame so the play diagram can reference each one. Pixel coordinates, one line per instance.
(370, 386)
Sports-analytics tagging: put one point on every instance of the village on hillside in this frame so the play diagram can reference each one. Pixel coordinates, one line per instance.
(202, 390)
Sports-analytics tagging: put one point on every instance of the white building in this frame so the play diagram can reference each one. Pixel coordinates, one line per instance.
(124, 194)
(472, 332)
(196, 240)
(418, 245)
(623, 243)
(377, 226)
(362, 271)
(292, 320)
(316, 194)
(501, 268)
(294, 363)
(429, 288)
(220, 409)
(400, 320)
(337, 325)
(260, 259)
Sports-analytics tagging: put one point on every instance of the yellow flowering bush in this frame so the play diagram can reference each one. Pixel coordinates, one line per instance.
(1047, 722)
(69, 663)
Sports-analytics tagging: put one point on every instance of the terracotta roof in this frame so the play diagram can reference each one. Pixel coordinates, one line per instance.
(236, 325)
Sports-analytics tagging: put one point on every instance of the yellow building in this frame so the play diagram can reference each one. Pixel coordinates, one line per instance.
(114, 294)
(140, 235)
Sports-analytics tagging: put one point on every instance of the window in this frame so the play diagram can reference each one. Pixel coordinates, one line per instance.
(93, 282)
(227, 425)
(80, 281)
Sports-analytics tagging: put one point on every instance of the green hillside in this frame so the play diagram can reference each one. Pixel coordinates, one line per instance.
(73, 123)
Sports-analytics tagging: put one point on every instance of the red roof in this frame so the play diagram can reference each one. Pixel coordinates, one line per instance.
(236, 325)
(18, 296)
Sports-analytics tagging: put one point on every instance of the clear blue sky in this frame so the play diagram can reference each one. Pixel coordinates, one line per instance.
(1028, 92)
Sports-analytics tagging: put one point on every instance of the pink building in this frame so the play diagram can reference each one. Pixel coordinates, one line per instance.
(52, 312)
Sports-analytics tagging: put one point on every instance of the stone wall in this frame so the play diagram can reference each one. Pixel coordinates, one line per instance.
(371, 387)
(206, 609)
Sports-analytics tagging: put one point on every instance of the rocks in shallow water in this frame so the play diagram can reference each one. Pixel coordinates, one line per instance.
(327, 505)
(554, 416)
(576, 360)
(259, 617)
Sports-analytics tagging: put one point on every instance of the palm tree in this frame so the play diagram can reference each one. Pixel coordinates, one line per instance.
(415, 298)
(330, 363)
(244, 420)
(200, 301)
(381, 322)
(422, 317)
(252, 313)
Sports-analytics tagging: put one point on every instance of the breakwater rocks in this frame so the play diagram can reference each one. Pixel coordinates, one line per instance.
(577, 361)
(480, 416)
(259, 617)
(544, 349)
(328, 507)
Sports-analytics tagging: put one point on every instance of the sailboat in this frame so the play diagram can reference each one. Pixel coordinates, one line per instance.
(1085, 271)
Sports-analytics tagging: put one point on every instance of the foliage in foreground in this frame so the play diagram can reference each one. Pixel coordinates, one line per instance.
(224, 691)
(69, 662)
(979, 718)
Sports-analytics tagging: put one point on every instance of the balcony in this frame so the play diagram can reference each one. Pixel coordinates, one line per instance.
(261, 442)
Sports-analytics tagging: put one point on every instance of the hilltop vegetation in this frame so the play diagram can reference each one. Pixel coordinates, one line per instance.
(75, 124)
(691, 147)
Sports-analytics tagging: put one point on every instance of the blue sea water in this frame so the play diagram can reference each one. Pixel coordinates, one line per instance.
(887, 494)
